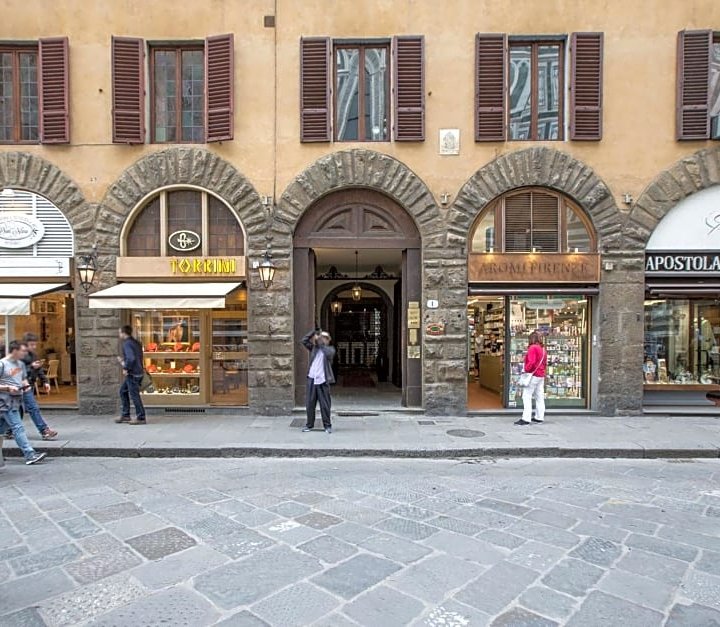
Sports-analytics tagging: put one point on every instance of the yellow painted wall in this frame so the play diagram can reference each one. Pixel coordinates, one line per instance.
(639, 77)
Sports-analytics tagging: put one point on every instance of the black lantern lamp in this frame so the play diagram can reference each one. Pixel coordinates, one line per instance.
(266, 269)
(356, 290)
(87, 269)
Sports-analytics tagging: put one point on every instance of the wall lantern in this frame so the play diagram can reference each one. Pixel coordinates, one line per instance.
(266, 269)
(356, 290)
(87, 269)
(336, 307)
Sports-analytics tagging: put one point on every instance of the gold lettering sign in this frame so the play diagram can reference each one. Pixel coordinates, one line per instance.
(534, 268)
(413, 318)
(209, 266)
(179, 267)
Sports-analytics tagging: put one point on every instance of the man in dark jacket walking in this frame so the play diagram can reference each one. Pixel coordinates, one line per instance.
(319, 379)
(133, 370)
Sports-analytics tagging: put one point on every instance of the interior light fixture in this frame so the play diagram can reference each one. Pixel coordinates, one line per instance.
(356, 290)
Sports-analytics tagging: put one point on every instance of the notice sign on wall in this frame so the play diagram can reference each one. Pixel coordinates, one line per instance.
(682, 263)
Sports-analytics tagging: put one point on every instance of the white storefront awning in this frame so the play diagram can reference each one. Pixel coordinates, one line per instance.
(163, 296)
(15, 297)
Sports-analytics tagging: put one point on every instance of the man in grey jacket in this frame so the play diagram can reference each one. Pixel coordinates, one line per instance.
(319, 379)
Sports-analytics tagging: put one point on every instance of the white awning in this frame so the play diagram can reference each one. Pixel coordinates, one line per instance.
(15, 297)
(163, 296)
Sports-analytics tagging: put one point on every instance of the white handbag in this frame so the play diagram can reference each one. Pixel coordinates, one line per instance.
(526, 377)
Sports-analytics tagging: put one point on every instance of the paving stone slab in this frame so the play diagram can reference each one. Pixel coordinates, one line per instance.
(29, 617)
(590, 529)
(684, 536)
(666, 569)
(455, 525)
(465, 548)
(243, 619)
(100, 543)
(709, 563)
(352, 532)
(536, 556)
(573, 577)
(12, 552)
(82, 604)
(395, 548)
(335, 620)
(231, 507)
(501, 539)
(702, 588)
(545, 533)
(520, 617)
(296, 606)
(694, 615)
(100, 566)
(80, 527)
(548, 602)
(257, 576)
(178, 567)
(31, 589)
(638, 589)
(410, 529)
(384, 606)
(602, 610)
(412, 512)
(240, 543)
(135, 526)
(597, 551)
(254, 518)
(117, 511)
(161, 543)
(356, 575)
(661, 547)
(289, 509)
(46, 559)
(497, 587)
(328, 549)
(351, 512)
(554, 519)
(318, 520)
(212, 526)
(511, 509)
(186, 608)
(206, 495)
(289, 531)
(453, 614)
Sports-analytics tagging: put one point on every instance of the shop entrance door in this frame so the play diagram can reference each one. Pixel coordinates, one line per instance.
(229, 358)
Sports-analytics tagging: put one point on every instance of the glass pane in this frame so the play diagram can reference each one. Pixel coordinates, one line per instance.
(226, 235)
(563, 324)
(29, 127)
(184, 214)
(171, 346)
(348, 100)
(7, 119)
(143, 240)
(520, 92)
(715, 91)
(681, 342)
(578, 238)
(375, 94)
(230, 359)
(483, 240)
(548, 96)
(193, 96)
(164, 83)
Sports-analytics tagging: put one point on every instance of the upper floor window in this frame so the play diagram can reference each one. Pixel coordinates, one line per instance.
(520, 87)
(210, 228)
(34, 93)
(359, 74)
(533, 220)
(191, 91)
(698, 85)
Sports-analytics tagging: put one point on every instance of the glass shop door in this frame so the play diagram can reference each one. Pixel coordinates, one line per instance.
(229, 358)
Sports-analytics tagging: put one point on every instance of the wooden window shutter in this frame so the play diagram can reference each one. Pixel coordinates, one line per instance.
(409, 88)
(53, 87)
(315, 89)
(128, 87)
(219, 97)
(518, 222)
(545, 222)
(693, 84)
(586, 86)
(490, 87)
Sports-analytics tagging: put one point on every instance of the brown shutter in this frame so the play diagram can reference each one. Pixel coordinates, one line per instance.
(219, 99)
(315, 89)
(490, 87)
(518, 223)
(53, 78)
(586, 86)
(128, 86)
(545, 222)
(693, 84)
(409, 88)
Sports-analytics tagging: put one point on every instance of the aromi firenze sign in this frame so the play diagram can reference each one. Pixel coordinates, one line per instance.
(534, 267)
(685, 263)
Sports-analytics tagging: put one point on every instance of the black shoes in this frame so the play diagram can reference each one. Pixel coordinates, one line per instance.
(305, 429)
(538, 421)
(328, 429)
(521, 423)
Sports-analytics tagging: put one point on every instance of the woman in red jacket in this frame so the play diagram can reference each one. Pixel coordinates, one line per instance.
(535, 362)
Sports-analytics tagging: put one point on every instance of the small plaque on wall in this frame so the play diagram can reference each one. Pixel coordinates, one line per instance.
(413, 352)
(449, 141)
(435, 329)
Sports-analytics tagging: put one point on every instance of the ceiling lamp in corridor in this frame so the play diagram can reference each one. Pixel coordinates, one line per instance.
(356, 290)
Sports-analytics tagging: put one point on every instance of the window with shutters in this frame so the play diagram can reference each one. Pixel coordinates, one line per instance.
(210, 227)
(715, 88)
(532, 220)
(535, 90)
(361, 92)
(19, 95)
(177, 94)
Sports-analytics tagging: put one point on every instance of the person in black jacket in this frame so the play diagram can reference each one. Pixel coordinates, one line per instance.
(133, 370)
(319, 379)
(35, 372)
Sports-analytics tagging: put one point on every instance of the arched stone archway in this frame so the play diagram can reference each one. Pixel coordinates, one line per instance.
(685, 177)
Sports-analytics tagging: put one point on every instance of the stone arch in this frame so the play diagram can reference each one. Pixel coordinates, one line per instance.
(23, 170)
(539, 167)
(194, 167)
(685, 177)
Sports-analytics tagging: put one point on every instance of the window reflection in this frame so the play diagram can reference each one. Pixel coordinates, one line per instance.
(348, 98)
(484, 236)
(375, 81)
(548, 96)
(520, 92)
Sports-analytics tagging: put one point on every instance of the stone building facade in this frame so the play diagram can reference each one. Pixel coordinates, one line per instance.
(624, 182)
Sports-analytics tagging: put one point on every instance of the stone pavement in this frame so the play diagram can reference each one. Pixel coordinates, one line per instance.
(386, 434)
(382, 543)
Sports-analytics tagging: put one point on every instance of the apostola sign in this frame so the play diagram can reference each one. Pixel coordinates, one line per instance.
(18, 231)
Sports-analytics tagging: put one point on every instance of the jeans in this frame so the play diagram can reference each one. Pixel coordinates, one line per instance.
(10, 419)
(32, 408)
(536, 390)
(130, 391)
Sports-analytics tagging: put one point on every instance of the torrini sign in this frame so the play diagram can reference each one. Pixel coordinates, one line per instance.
(674, 263)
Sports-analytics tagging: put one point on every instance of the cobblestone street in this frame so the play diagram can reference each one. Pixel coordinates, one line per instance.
(334, 542)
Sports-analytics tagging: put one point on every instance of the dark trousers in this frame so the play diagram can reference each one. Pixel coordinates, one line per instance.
(130, 391)
(313, 394)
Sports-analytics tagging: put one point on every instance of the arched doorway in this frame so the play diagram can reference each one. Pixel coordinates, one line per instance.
(360, 238)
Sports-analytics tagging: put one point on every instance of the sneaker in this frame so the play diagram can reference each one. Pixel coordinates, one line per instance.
(122, 420)
(521, 423)
(306, 429)
(134, 421)
(35, 458)
(538, 421)
(49, 434)
(328, 429)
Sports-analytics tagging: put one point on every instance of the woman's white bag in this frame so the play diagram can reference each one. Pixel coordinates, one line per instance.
(526, 377)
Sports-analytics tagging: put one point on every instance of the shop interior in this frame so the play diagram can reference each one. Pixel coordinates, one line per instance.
(498, 332)
(52, 319)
